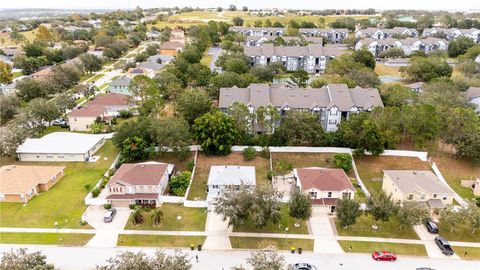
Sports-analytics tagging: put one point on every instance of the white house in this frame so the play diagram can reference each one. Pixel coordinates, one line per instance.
(61, 147)
(473, 94)
(229, 175)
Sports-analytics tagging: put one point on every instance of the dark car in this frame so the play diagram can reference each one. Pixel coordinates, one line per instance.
(431, 226)
(384, 256)
(444, 246)
(109, 215)
(304, 266)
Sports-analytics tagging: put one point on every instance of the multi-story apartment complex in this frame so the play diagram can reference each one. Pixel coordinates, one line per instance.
(384, 33)
(452, 33)
(408, 45)
(331, 35)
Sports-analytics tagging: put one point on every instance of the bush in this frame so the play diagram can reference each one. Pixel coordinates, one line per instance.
(270, 175)
(107, 206)
(95, 192)
(190, 165)
(265, 153)
(178, 184)
(249, 153)
(132, 206)
(343, 161)
(111, 172)
(105, 180)
(88, 187)
(125, 114)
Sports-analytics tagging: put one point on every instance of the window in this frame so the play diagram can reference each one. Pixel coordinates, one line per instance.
(422, 197)
(214, 186)
(49, 156)
(444, 198)
(329, 194)
(313, 194)
(434, 196)
(410, 196)
(332, 122)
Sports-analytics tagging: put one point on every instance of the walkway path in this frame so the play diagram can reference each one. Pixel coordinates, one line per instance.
(217, 232)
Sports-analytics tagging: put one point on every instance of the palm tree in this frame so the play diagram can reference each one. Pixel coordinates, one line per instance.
(137, 216)
(157, 216)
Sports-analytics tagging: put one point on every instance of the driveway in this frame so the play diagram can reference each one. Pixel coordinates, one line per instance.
(106, 233)
(217, 232)
(428, 240)
(321, 228)
(215, 52)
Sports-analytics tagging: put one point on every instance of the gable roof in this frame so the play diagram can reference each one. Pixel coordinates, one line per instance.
(111, 99)
(324, 179)
(409, 181)
(473, 92)
(231, 175)
(88, 111)
(171, 45)
(316, 50)
(145, 173)
(20, 179)
(122, 81)
(60, 142)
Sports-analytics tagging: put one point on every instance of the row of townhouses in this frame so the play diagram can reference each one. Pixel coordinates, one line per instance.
(332, 103)
(259, 40)
(453, 33)
(384, 33)
(332, 35)
(408, 45)
(311, 58)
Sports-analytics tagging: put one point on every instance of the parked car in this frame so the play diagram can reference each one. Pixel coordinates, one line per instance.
(431, 226)
(444, 246)
(424, 268)
(59, 122)
(304, 266)
(384, 256)
(109, 215)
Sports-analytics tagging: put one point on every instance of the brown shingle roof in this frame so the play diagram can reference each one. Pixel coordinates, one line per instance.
(324, 179)
(19, 179)
(89, 111)
(147, 173)
(172, 45)
(111, 99)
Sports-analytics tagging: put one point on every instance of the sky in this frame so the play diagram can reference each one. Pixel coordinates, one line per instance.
(294, 4)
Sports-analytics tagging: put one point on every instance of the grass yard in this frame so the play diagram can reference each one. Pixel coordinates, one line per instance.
(198, 190)
(286, 221)
(64, 202)
(71, 239)
(382, 69)
(17, 74)
(467, 253)
(455, 170)
(462, 233)
(206, 60)
(180, 165)
(370, 247)
(387, 229)
(159, 240)
(371, 168)
(193, 219)
(96, 77)
(5, 39)
(271, 243)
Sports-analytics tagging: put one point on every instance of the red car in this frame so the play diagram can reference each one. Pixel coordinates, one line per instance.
(384, 256)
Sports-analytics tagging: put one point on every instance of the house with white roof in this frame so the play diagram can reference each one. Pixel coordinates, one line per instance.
(224, 176)
(473, 94)
(61, 147)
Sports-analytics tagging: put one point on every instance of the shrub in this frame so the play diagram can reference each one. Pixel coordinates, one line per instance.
(88, 187)
(343, 161)
(132, 206)
(190, 165)
(249, 153)
(270, 175)
(265, 153)
(125, 114)
(105, 180)
(111, 172)
(137, 216)
(179, 183)
(107, 206)
(95, 192)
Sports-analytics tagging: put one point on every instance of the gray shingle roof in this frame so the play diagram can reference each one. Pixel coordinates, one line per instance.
(315, 50)
(414, 181)
(122, 81)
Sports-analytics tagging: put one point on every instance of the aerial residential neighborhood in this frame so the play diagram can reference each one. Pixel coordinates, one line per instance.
(240, 135)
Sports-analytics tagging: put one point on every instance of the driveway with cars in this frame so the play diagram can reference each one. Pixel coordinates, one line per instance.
(107, 233)
(428, 240)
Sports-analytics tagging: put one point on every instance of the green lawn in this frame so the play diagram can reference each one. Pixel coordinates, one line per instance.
(462, 232)
(159, 240)
(64, 202)
(94, 77)
(192, 219)
(388, 229)
(371, 168)
(472, 253)
(286, 221)
(17, 74)
(271, 243)
(198, 190)
(360, 196)
(370, 247)
(77, 239)
(206, 60)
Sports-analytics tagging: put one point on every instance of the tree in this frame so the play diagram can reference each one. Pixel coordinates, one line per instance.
(21, 260)
(412, 213)
(134, 149)
(236, 65)
(370, 139)
(392, 53)
(28, 89)
(343, 161)
(261, 260)
(300, 78)
(426, 69)
(381, 206)
(178, 184)
(216, 133)
(172, 135)
(157, 217)
(472, 212)
(41, 111)
(264, 74)
(449, 217)
(176, 261)
(6, 75)
(242, 116)
(65, 102)
(140, 261)
(147, 93)
(459, 46)
(9, 105)
(347, 212)
(137, 216)
(249, 153)
(244, 8)
(34, 49)
(364, 57)
(43, 34)
(91, 63)
(193, 103)
(395, 95)
(97, 127)
(301, 128)
(300, 205)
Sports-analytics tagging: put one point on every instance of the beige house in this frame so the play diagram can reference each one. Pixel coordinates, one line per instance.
(20, 183)
(138, 183)
(420, 186)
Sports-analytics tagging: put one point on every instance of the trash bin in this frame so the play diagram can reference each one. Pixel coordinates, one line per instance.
(292, 249)
(192, 247)
(199, 247)
(299, 250)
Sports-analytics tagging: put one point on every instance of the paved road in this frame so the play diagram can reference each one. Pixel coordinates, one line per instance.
(215, 52)
(87, 258)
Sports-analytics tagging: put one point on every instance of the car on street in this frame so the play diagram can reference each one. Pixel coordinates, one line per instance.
(304, 266)
(424, 268)
(109, 215)
(384, 256)
(444, 246)
(431, 226)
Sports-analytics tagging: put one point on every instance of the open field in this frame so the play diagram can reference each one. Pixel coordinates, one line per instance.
(387, 229)
(286, 222)
(198, 189)
(462, 232)
(5, 39)
(381, 69)
(371, 168)
(64, 202)
(370, 247)
(271, 243)
(455, 170)
(159, 240)
(192, 219)
(75, 239)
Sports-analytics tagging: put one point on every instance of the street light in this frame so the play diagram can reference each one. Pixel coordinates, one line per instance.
(56, 227)
(286, 234)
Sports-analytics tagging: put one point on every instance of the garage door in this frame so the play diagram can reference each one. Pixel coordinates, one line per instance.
(120, 203)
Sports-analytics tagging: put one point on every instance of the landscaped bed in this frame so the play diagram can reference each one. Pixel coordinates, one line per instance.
(198, 190)
(271, 243)
(387, 229)
(286, 221)
(159, 240)
(64, 202)
(371, 168)
(370, 247)
(74, 239)
(192, 219)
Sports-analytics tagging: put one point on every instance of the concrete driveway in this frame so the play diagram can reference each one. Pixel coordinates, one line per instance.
(217, 232)
(428, 240)
(107, 233)
(321, 228)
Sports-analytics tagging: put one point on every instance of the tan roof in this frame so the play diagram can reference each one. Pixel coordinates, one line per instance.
(172, 45)
(473, 92)
(414, 181)
(146, 173)
(20, 179)
(324, 179)
(42, 73)
(89, 111)
(111, 99)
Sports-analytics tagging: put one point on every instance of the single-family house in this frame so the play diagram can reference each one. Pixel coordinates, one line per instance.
(177, 35)
(8, 89)
(138, 183)
(6, 59)
(132, 72)
(60, 147)
(171, 47)
(120, 86)
(229, 175)
(416, 87)
(43, 73)
(419, 186)
(19, 183)
(331, 103)
(151, 67)
(324, 186)
(12, 51)
(153, 34)
(160, 58)
(258, 31)
(333, 35)
(473, 94)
